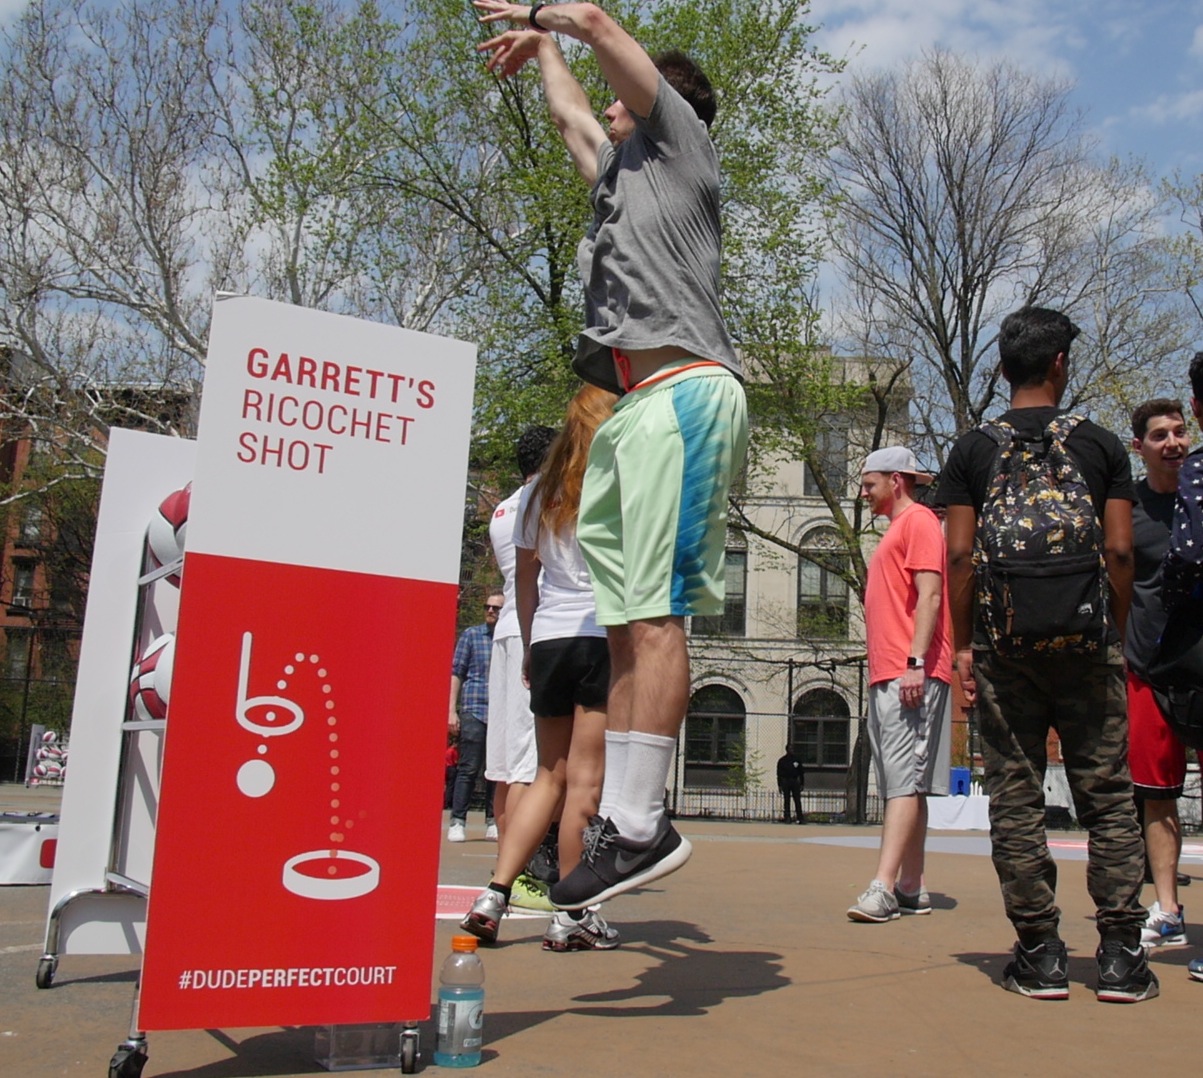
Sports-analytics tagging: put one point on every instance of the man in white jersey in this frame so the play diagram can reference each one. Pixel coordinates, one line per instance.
(510, 756)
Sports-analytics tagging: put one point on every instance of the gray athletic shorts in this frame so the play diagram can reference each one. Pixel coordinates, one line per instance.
(910, 745)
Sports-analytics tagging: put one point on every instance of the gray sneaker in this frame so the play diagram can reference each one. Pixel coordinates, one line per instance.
(484, 917)
(875, 906)
(590, 933)
(917, 904)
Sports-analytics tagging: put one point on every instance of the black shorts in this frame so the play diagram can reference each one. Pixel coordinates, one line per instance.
(567, 673)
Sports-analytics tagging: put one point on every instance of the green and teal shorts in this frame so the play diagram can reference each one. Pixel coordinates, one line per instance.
(653, 516)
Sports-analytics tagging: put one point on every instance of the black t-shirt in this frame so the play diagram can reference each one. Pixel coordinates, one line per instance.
(1152, 516)
(789, 772)
(1099, 454)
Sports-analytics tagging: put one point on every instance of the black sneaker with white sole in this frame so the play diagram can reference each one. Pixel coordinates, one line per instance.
(612, 865)
(1040, 972)
(1124, 974)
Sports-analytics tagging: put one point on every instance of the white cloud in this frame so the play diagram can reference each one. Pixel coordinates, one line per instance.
(1172, 108)
(1196, 45)
(890, 30)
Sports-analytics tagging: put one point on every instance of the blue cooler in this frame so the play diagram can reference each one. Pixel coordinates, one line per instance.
(959, 783)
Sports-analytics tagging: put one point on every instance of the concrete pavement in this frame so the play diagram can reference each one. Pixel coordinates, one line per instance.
(743, 963)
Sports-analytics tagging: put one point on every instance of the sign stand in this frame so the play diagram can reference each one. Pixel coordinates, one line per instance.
(322, 560)
(106, 832)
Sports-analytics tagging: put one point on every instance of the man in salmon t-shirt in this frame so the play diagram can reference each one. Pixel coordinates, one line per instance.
(910, 670)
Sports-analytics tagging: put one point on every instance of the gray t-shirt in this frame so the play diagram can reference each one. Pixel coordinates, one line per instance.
(650, 260)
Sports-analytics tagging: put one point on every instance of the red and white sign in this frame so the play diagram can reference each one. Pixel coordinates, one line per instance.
(297, 844)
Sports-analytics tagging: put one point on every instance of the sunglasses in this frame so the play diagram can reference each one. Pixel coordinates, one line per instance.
(490, 606)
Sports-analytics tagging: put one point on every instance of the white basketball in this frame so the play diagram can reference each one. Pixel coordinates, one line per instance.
(40, 770)
(150, 682)
(167, 529)
(49, 737)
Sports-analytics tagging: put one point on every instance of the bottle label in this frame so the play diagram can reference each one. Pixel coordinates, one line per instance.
(461, 1025)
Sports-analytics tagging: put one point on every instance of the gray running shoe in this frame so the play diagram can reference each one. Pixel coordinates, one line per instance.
(1124, 974)
(919, 903)
(590, 933)
(876, 906)
(484, 917)
(613, 865)
(1195, 969)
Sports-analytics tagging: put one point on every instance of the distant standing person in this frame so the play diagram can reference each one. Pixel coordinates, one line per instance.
(1054, 491)
(469, 716)
(791, 778)
(1157, 757)
(910, 671)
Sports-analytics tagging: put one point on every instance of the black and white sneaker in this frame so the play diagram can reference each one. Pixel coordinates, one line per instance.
(612, 865)
(1124, 974)
(1040, 972)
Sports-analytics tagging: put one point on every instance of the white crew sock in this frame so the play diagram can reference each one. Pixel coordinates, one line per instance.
(616, 770)
(639, 808)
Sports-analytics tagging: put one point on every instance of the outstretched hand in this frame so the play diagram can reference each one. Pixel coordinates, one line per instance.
(500, 11)
(510, 50)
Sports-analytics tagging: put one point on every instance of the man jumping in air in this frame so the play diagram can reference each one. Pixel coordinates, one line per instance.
(653, 514)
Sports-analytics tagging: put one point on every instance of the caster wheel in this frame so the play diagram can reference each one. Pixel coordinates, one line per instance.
(409, 1053)
(46, 970)
(127, 1061)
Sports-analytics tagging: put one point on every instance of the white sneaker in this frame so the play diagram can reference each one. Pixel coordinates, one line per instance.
(491, 833)
(1163, 929)
(876, 906)
(456, 832)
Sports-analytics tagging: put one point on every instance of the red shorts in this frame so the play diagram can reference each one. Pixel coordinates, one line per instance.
(1157, 757)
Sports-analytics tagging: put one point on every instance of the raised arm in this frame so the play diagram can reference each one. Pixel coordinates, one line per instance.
(626, 67)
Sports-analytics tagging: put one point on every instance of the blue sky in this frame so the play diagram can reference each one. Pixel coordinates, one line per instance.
(1138, 67)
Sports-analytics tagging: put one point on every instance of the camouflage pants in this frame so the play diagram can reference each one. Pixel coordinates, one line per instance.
(1084, 700)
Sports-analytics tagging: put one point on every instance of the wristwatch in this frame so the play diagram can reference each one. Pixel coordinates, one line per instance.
(913, 663)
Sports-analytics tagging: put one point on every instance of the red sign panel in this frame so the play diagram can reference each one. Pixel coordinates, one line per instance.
(297, 840)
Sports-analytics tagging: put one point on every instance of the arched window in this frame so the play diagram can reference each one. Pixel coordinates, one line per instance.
(822, 592)
(819, 725)
(714, 736)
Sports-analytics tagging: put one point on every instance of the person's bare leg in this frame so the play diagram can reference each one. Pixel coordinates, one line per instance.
(910, 873)
(661, 676)
(539, 803)
(897, 829)
(660, 696)
(501, 793)
(586, 764)
(622, 678)
(1163, 840)
(513, 794)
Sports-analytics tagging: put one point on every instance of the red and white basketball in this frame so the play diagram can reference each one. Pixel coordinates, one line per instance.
(49, 737)
(166, 531)
(150, 682)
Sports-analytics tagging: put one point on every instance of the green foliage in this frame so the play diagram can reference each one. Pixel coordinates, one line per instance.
(745, 771)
